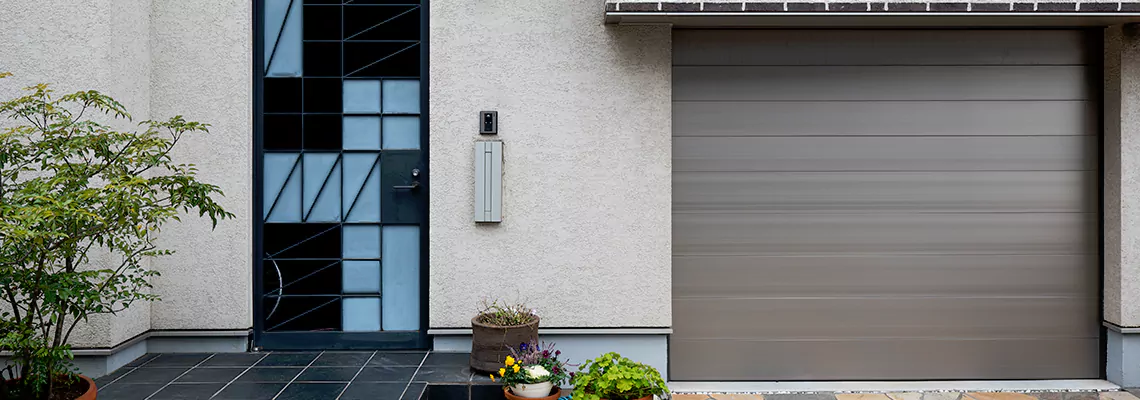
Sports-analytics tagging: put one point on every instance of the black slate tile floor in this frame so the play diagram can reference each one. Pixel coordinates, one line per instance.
(329, 375)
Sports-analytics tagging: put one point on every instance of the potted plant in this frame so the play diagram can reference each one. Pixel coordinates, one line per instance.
(80, 204)
(533, 371)
(613, 377)
(496, 330)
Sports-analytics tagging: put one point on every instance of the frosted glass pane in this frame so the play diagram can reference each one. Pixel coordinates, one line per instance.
(317, 167)
(361, 133)
(401, 278)
(360, 314)
(362, 96)
(356, 169)
(361, 277)
(285, 61)
(402, 96)
(276, 169)
(288, 207)
(327, 206)
(401, 132)
(360, 241)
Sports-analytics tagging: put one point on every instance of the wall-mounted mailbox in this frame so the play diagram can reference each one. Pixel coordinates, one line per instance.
(488, 181)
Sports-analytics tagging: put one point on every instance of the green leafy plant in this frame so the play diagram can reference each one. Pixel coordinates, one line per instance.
(70, 188)
(614, 377)
(503, 314)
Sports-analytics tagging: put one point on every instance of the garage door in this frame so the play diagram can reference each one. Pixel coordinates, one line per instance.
(882, 205)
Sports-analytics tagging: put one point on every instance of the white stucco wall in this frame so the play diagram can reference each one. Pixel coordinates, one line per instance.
(584, 113)
(1122, 177)
(80, 45)
(202, 55)
(159, 58)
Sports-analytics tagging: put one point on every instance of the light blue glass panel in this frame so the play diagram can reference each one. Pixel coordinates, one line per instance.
(360, 241)
(361, 133)
(361, 277)
(288, 207)
(283, 25)
(402, 96)
(327, 206)
(317, 167)
(367, 204)
(362, 96)
(276, 169)
(356, 169)
(360, 314)
(401, 278)
(401, 132)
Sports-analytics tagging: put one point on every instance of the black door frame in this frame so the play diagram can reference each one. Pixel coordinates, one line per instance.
(334, 340)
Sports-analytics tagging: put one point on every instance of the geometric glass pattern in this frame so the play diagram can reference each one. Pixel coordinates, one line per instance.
(341, 115)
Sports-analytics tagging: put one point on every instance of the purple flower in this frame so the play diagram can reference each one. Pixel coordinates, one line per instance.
(546, 353)
(558, 352)
(522, 346)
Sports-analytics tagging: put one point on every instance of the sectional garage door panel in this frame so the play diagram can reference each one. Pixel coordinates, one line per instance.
(887, 192)
(928, 118)
(899, 358)
(871, 47)
(884, 205)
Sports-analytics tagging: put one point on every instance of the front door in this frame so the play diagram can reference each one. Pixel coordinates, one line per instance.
(341, 136)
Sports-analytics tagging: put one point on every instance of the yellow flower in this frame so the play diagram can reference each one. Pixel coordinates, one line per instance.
(510, 361)
(492, 377)
(516, 368)
(502, 371)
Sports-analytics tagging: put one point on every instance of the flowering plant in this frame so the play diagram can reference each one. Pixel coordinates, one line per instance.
(533, 363)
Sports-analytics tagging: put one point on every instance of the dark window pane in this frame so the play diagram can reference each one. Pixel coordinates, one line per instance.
(322, 59)
(290, 277)
(282, 132)
(282, 95)
(381, 59)
(382, 23)
(322, 95)
(302, 313)
(322, 23)
(403, 2)
(302, 240)
(323, 131)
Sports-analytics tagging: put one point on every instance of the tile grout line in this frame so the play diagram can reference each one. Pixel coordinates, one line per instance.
(298, 375)
(357, 374)
(128, 372)
(417, 372)
(180, 375)
(239, 375)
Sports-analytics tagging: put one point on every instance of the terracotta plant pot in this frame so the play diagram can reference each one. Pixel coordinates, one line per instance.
(92, 391)
(490, 345)
(555, 393)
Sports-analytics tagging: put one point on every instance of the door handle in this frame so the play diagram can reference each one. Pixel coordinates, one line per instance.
(415, 185)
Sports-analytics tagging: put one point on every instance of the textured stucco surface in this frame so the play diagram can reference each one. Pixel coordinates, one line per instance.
(159, 58)
(79, 45)
(584, 114)
(1122, 176)
(202, 55)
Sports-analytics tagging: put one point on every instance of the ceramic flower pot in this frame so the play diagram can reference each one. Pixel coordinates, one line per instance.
(552, 393)
(490, 344)
(532, 390)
